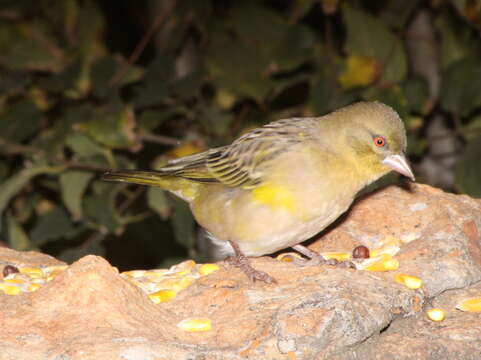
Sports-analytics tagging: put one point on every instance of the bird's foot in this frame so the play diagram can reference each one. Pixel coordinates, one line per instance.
(316, 259)
(243, 263)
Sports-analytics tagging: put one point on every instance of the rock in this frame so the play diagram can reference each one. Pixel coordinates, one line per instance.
(89, 311)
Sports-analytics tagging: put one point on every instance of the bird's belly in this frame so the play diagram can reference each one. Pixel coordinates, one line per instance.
(288, 234)
(260, 229)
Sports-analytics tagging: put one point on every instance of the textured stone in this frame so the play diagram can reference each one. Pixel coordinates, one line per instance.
(90, 312)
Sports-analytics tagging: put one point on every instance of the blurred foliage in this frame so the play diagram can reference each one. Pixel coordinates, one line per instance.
(84, 88)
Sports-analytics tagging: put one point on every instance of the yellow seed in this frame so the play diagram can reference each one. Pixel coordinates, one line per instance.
(10, 289)
(33, 287)
(436, 314)
(385, 262)
(31, 271)
(409, 281)
(155, 275)
(471, 305)
(195, 324)
(52, 268)
(207, 269)
(339, 256)
(162, 296)
(288, 257)
(14, 281)
(134, 273)
(187, 265)
(49, 278)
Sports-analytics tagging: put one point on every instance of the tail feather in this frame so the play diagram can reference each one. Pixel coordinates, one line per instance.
(153, 178)
(183, 188)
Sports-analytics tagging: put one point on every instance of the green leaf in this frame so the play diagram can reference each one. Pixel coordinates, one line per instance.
(473, 128)
(368, 36)
(99, 207)
(73, 184)
(457, 40)
(155, 88)
(183, 223)
(28, 46)
(53, 225)
(83, 146)
(215, 120)
(468, 169)
(104, 70)
(17, 238)
(93, 245)
(294, 48)
(157, 201)
(246, 47)
(113, 125)
(325, 94)
(460, 87)
(416, 91)
(16, 183)
(21, 121)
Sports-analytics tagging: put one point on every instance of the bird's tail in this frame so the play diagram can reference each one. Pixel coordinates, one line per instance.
(181, 187)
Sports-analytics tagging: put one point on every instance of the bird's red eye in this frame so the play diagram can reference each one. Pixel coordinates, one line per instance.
(379, 141)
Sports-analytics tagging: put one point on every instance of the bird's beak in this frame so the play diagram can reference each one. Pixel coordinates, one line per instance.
(400, 164)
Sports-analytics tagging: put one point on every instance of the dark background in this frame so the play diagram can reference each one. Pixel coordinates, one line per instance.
(90, 85)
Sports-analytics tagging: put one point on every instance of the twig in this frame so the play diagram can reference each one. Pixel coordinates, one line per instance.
(159, 139)
(130, 199)
(159, 20)
(9, 148)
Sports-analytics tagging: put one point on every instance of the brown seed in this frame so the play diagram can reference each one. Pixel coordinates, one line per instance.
(360, 252)
(9, 269)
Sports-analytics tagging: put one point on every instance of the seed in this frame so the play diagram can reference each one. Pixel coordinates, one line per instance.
(33, 287)
(195, 324)
(436, 314)
(10, 289)
(162, 296)
(288, 257)
(339, 256)
(207, 269)
(409, 281)
(360, 252)
(385, 262)
(9, 269)
(471, 305)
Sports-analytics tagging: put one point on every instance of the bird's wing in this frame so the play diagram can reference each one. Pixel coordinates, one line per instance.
(242, 164)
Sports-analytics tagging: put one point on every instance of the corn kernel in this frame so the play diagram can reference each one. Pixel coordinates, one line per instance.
(10, 289)
(409, 281)
(385, 262)
(288, 257)
(339, 256)
(31, 271)
(33, 287)
(436, 314)
(471, 305)
(195, 324)
(14, 281)
(187, 265)
(155, 275)
(162, 296)
(207, 269)
(134, 273)
(49, 269)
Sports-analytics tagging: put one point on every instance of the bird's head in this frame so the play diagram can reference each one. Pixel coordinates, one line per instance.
(376, 139)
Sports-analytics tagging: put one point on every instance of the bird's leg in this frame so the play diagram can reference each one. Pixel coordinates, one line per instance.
(243, 263)
(317, 259)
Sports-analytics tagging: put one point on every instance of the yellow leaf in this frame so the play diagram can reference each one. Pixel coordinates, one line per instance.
(185, 149)
(360, 71)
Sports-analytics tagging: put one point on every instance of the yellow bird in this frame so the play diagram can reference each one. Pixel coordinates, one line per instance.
(281, 184)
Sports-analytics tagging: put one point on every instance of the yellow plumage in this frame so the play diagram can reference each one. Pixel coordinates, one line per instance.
(278, 185)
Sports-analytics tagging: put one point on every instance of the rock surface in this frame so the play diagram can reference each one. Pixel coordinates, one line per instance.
(88, 311)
